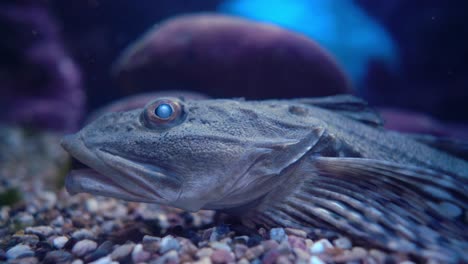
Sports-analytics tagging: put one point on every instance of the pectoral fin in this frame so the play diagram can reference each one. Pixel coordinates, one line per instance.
(402, 208)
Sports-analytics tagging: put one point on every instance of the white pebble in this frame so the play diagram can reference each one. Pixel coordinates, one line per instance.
(60, 241)
(320, 246)
(316, 260)
(92, 205)
(169, 243)
(343, 243)
(40, 230)
(139, 255)
(278, 234)
(104, 260)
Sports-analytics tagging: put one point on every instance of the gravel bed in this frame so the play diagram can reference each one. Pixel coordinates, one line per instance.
(58, 228)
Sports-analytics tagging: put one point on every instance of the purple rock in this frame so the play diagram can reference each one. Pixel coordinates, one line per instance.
(40, 84)
(228, 57)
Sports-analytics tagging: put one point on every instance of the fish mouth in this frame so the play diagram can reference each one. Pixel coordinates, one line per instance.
(101, 177)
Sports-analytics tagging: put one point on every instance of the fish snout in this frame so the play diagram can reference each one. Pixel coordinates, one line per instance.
(67, 142)
(71, 143)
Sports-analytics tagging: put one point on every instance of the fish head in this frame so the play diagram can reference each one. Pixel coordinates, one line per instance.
(197, 154)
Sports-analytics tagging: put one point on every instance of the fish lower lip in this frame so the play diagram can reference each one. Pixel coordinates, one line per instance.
(91, 181)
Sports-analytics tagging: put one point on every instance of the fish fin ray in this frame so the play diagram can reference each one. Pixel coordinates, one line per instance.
(401, 208)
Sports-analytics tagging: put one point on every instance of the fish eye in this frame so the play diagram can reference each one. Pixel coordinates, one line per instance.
(163, 112)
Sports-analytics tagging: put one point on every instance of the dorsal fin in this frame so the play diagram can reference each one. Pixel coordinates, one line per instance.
(347, 105)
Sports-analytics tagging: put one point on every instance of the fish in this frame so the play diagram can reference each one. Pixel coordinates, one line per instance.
(325, 165)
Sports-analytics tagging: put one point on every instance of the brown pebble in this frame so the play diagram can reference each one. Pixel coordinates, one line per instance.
(302, 255)
(270, 244)
(357, 253)
(204, 252)
(239, 250)
(254, 252)
(222, 256)
(271, 256)
(296, 232)
(283, 260)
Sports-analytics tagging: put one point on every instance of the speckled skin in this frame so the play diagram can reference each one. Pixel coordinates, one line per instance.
(308, 163)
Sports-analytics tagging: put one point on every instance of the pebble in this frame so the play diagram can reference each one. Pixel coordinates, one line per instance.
(83, 247)
(169, 257)
(41, 231)
(297, 242)
(301, 255)
(296, 232)
(316, 260)
(122, 251)
(30, 240)
(149, 239)
(239, 250)
(278, 234)
(83, 234)
(222, 256)
(243, 261)
(26, 260)
(283, 260)
(219, 245)
(343, 243)
(92, 205)
(103, 250)
(320, 246)
(19, 251)
(271, 256)
(104, 260)
(59, 242)
(139, 255)
(58, 221)
(77, 261)
(24, 219)
(284, 248)
(207, 260)
(204, 252)
(270, 244)
(355, 254)
(168, 243)
(187, 247)
(57, 256)
(254, 252)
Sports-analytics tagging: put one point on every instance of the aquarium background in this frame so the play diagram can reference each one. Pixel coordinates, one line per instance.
(398, 54)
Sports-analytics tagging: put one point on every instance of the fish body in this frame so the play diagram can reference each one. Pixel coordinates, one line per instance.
(314, 163)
